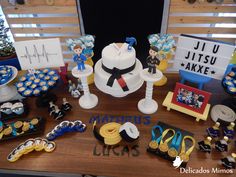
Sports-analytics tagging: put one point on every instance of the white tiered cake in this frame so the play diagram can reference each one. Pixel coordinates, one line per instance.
(117, 72)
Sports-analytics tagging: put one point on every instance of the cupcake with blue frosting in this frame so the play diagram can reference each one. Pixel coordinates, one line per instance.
(21, 89)
(41, 81)
(27, 92)
(19, 84)
(28, 83)
(36, 92)
(51, 83)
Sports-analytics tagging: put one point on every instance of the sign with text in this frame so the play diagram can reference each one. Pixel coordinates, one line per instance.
(202, 56)
(42, 53)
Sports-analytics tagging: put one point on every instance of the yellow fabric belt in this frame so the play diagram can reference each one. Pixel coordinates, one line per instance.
(108, 133)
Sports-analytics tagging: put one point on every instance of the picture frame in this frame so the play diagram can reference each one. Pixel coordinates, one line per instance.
(190, 98)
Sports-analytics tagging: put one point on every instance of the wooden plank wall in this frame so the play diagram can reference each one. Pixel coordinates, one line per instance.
(201, 18)
(41, 21)
(63, 22)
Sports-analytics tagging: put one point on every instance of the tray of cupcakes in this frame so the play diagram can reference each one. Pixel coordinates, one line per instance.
(37, 83)
(6, 74)
(13, 109)
(229, 82)
(21, 127)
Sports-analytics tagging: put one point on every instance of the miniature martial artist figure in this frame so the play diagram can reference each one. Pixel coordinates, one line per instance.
(66, 106)
(205, 145)
(75, 92)
(79, 58)
(152, 60)
(214, 131)
(51, 108)
(58, 114)
(229, 161)
(229, 130)
(222, 145)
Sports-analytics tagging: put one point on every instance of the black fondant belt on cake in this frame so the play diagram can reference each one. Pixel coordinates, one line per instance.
(117, 74)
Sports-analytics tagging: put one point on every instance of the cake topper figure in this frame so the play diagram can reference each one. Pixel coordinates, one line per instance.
(131, 41)
(83, 49)
(79, 58)
(153, 60)
(166, 49)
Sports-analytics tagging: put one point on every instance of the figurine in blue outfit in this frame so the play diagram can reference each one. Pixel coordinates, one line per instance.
(79, 58)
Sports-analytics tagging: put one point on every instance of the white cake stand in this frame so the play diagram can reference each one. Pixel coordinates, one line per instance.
(7, 91)
(88, 100)
(147, 105)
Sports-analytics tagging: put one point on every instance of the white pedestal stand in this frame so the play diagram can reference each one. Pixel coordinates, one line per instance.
(147, 105)
(88, 100)
(7, 91)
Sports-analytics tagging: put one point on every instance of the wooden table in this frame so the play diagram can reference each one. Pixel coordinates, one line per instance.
(75, 151)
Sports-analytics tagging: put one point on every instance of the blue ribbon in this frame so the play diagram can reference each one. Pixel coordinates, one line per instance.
(176, 141)
(154, 138)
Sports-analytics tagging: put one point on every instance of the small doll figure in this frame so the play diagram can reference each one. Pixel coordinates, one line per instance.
(222, 145)
(205, 145)
(75, 92)
(79, 58)
(66, 106)
(229, 162)
(229, 130)
(58, 114)
(214, 131)
(51, 108)
(152, 60)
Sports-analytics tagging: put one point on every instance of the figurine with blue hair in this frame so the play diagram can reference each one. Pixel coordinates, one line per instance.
(82, 48)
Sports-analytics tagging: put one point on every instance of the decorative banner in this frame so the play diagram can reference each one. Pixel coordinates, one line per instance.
(42, 53)
(202, 56)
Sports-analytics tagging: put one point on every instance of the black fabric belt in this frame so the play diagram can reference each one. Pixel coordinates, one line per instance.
(117, 74)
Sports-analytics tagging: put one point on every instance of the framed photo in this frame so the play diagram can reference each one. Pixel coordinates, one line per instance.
(190, 98)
